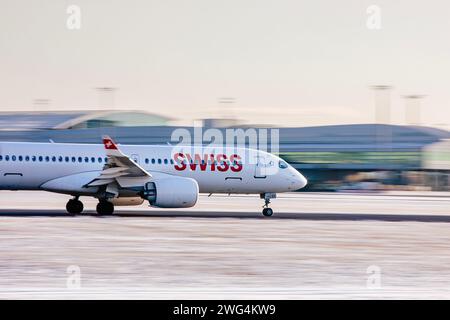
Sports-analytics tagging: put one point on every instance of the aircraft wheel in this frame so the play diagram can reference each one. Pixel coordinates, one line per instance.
(105, 208)
(267, 212)
(74, 206)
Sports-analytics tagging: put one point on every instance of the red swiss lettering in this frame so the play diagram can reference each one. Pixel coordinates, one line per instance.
(179, 159)
(236, 163)
(223, 163)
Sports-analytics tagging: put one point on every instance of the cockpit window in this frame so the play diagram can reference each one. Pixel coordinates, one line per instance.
(282, 164)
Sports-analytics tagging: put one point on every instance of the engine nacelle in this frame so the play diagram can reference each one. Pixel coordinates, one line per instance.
(127, 201)
(173, 192)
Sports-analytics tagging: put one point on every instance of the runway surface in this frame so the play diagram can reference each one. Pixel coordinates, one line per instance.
(315, 246)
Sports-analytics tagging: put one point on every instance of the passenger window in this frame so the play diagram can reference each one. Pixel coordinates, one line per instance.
(20, 158)
(74, 159)
(33, 158)
(153, 161)
(7, 158)
(54, 159)
(47, 158)
(66, 159)
(13, 158)
(171, 161)
(92, 159)
(100, 160)
(146, 160)
(1, 158)
(86, 159)
(159, 161)
(60, 159)
(41, 158)
(27, 158)
(165, 161)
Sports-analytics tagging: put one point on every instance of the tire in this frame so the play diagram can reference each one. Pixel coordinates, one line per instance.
(267, 212)
(105, 208)
(74, 206)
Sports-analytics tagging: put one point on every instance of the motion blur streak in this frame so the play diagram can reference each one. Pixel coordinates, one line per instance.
(189, 253)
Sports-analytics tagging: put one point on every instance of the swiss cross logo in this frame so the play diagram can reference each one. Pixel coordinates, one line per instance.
(109, 144)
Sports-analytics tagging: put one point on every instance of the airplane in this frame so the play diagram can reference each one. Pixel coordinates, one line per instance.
(129, 175)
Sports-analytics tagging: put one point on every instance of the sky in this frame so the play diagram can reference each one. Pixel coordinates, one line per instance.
(285, 62)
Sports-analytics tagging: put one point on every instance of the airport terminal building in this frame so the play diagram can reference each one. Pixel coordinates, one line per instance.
(340, 157)
(37, 120)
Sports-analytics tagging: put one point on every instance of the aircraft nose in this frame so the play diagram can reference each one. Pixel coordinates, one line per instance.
(298, 180)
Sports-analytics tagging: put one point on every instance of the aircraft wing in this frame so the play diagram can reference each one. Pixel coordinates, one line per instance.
(118, 166)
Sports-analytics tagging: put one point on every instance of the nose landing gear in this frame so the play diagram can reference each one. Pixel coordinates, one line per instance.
(267, 212)
(74, 206)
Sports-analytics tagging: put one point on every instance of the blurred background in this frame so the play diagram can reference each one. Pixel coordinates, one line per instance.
(358, 90)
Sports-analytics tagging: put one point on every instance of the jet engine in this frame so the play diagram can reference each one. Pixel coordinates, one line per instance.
(172, 192)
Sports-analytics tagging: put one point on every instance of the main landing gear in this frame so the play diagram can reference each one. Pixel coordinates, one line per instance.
(267, 212)
(105, 207)
(74, 206)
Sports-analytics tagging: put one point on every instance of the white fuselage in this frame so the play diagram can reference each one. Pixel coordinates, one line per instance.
(29, 166)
